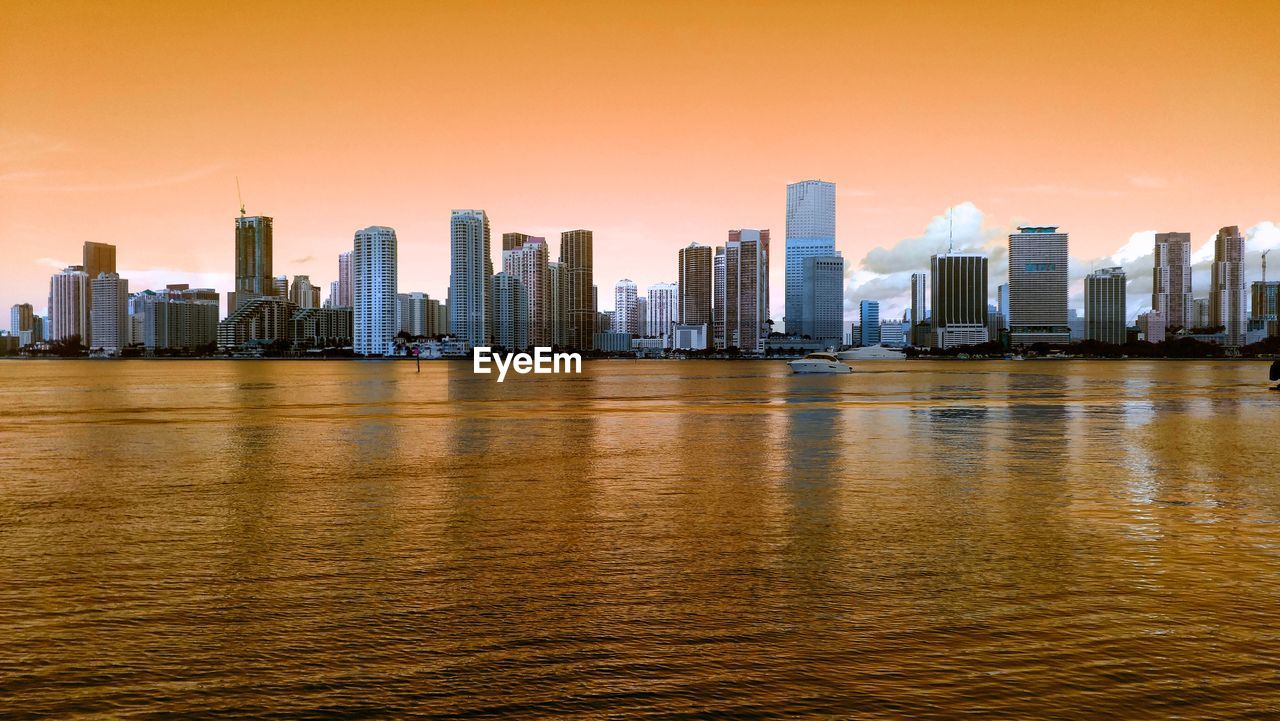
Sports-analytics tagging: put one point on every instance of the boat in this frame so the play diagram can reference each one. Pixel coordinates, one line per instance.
(871, 353)
(819, 363)
(1275, 374)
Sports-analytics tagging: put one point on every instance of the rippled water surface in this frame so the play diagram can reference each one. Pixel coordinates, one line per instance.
(925, 540)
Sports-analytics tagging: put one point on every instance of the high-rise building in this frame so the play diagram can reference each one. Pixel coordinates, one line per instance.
(1105, 306)
(869, 320)
(259, 321)
(321, 327)
(741, 291)
(67, 313)
(822, 306)
(811, 231)
(332, 300)
(1038, 286)
(254, 277)
(528, 259)
(1002, 302)
(22, 323)
(471, 278)
(1200, 313)
(664, 309)
(959, 299)
(303, 294)
(919, 310)
(1171, 280)
(510, 312)
(344, 296)
(110, 313)
(1227, 299)
(695, 288)
(98, 258)
(625, 319)
(178, 318)
(718, 295)
(580, 301)
(374, 276)
(558, 311)
(1263, 300)
(642, 316)
(413, 314)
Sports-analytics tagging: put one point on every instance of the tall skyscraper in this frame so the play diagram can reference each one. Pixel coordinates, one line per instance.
(558, 311)
(741, 291)
(664, 308)
(695, 286)
(1200, 317)
(374, 273)
(1105, 306)
(344, 295)
(471, 278)
(67, 313)
(1263, 296)
(414, 315)
(98, 258)
(625, 319)
(1171, 280)
(1227, 286)
(642, 316)
(529, 261)
(1002, 302)
(919, 310)
(822, 306)
(576, 261)
(1038, 286)
(869, 320)
(811, 231)
(254, 277)
(959, 299)
(110, 315)
(510, 312)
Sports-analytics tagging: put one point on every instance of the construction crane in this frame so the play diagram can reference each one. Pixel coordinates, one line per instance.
(1264, 267)
(241, 199)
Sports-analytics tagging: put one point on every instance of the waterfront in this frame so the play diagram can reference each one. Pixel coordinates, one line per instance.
(922, 539)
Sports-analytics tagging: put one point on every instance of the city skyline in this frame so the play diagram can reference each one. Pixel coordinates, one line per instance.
(648, 167)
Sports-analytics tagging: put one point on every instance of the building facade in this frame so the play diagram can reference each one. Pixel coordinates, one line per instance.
(67, 311)
(1227, 295)
(626, 317)
(470, 278)
(528, 259)
(1171, 280)
(580, 306)
(254, 277)
(959, 299)
(510, 312)
(1106, 306)
(375, 277)
(110, 313)
(1038, 286)
(822, 304)
(869, 322)
(811, 231)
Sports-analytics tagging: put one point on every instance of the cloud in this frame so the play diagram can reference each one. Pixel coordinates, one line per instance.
(304, 259)
(1044, 189)
(52, 263)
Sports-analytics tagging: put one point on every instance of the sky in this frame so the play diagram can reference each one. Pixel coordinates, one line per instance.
(654, 124)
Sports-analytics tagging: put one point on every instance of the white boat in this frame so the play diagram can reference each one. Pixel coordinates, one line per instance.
(819, 363)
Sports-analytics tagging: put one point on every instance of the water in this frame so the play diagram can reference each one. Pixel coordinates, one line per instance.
(922, 539)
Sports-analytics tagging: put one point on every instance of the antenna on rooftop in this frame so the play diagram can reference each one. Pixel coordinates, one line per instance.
(951, 248)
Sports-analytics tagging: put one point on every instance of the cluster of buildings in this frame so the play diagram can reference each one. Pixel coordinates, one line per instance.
(718, 301)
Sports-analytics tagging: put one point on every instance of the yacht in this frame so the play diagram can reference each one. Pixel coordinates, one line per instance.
(819, 363)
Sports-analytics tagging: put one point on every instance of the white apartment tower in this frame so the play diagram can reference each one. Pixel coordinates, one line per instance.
(374, 279)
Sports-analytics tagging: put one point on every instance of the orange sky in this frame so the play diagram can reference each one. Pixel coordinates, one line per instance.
(655, 124)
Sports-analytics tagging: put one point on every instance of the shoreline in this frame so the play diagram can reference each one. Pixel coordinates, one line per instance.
(614, 358)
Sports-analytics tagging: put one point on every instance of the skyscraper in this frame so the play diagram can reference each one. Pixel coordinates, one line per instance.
(254, 277)
(22, 323)
(869, 320)
(344, 295)
(303, 294)
(67, 313)
(1105, 306)
(664, 308)
(1227, 306)
(510, 312)
(413, 314)
(959, 299)
(576, 260)
(529, 260)
(695, 287)
(1171, 280)
(642, 316)
(625, 319)
(919, 310)
(811, 231)
(741, 291)
(822, 306)
(110, 313)
(558, 311)
(470, 278)
(374, 275)
(1038, 286)
(1263, 296)
(98, 258)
